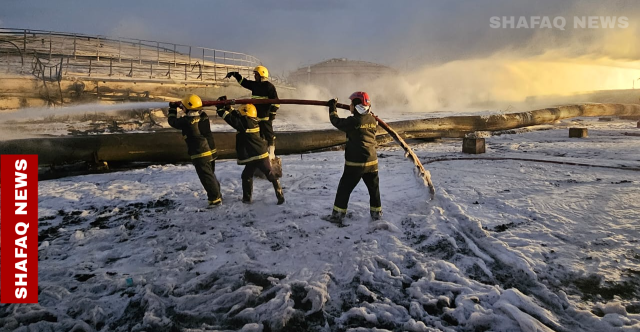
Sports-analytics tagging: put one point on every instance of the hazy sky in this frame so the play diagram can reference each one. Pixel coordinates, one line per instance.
(286, 34)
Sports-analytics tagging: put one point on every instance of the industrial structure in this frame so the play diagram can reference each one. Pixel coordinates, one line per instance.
(53, 68)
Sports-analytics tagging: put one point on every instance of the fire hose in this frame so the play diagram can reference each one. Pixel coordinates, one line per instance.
(421, 172)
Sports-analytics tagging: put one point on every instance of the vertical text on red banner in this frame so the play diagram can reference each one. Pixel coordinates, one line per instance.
(19, 209)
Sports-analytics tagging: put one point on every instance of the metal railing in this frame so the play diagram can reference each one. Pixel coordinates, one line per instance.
(87, 55)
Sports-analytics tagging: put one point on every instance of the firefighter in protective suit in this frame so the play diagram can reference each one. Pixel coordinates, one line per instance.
(205, 129)
(198, 141)
(361, 160)
(261, 88)
(251, 149)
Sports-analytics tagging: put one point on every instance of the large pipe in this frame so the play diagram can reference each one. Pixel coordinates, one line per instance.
(452, 126)
(169, 146)
(493, 122)
(165, 146)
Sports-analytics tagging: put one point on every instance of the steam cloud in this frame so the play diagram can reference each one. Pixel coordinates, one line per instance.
(43, 112)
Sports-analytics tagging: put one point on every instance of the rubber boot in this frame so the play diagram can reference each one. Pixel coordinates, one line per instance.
(376, 215)
(278, 189)
(247, 190)
(215, 203)
(337, 216)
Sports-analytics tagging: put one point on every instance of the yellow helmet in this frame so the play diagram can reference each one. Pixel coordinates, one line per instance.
(192, 102)
(248, 110)
(262, 71)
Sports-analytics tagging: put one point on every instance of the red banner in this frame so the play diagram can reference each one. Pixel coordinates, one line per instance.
(19, 233)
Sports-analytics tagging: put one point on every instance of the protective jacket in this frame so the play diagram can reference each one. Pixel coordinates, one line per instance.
(197, 145)
(249, 145)
(261, 90)
(361, 144)
(205, 129)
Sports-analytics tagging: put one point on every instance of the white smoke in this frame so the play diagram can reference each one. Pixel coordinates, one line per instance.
(502, 82)
(33, 113)
(304, 114)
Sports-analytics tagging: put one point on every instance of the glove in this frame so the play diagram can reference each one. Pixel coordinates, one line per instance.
(272, 116)
(174, 104)
(222, 108)
(234, 74)
(332, 104)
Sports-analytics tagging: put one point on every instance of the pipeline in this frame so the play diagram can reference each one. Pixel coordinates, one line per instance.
(421, 172)
(167, 146)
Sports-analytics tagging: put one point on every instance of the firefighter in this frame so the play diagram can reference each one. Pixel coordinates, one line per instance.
(205, 129)
(261, 88)
(202, 155)
(361, 161)
(251, 149)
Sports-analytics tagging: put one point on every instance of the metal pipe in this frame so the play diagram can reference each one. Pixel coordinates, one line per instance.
(119, 147)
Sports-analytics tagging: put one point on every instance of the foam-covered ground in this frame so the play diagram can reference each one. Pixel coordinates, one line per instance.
(508, 245)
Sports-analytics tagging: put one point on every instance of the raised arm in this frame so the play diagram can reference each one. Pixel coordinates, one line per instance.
(338, 122)
(247, 84)
(173, 117)
(233, 118)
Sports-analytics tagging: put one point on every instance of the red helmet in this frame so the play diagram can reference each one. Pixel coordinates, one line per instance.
(363, 96)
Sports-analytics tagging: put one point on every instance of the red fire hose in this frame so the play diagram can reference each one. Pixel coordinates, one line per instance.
(422, 173)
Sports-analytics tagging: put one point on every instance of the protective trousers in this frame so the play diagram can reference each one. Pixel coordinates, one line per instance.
(207, 178)
(213, 169)
(247, 179)
(350, 178)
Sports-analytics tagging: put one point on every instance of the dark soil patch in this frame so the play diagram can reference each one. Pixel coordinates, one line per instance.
(594, 287)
